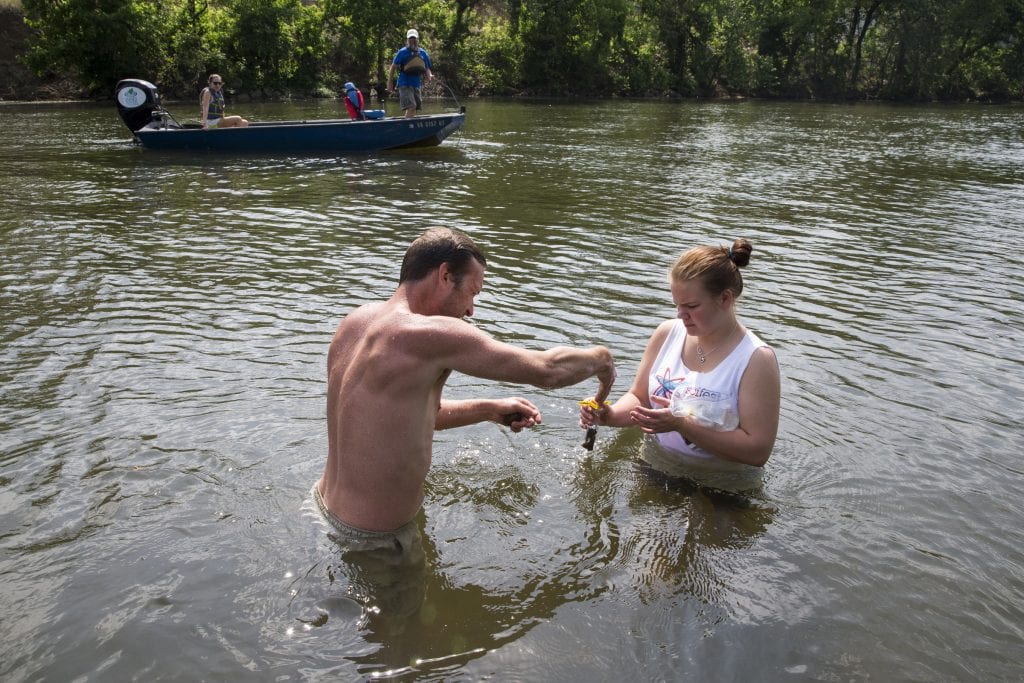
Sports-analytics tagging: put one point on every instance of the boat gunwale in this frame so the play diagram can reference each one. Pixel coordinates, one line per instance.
(158, 127)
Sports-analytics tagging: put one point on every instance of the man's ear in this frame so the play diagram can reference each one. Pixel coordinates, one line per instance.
(445, 275)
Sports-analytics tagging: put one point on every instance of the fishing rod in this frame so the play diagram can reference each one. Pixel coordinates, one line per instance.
(443, 83)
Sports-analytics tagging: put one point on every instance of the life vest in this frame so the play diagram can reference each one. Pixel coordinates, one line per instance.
(415, 66)
(354, 105)
(216, 108)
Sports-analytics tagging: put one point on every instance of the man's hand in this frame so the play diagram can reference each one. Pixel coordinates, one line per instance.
(606, 377)
(516, 413)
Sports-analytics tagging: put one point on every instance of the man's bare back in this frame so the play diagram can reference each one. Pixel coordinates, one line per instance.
(381, 404)
(386, 369)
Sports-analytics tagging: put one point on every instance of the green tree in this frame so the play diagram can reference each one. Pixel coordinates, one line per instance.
(261, 42)
(547, 30)
(192, 48)
(101, 41)
(687, 34)
(638, 68)
(863, 18)
(491, 59)
(310, 48)
(455, 38)
(569, 44)
(364, 35)
(976, 33)
(893, 49)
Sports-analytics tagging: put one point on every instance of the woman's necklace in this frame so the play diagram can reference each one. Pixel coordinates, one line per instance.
(703, 357)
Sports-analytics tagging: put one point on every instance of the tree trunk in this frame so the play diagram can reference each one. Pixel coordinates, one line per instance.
(869, 17)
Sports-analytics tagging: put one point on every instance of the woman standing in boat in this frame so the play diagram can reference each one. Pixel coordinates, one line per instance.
(212, 106)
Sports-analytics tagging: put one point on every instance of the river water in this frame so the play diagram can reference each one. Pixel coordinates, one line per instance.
(164, 321)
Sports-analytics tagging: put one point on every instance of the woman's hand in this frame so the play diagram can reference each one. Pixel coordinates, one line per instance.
(656, 420)
(593, 414)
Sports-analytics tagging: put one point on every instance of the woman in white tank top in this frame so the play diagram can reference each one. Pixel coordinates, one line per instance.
(706, 387)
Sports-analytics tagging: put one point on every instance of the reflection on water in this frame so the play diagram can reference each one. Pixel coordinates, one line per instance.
(163, 326)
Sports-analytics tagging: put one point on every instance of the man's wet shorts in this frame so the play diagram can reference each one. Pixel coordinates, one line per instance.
(403, 545)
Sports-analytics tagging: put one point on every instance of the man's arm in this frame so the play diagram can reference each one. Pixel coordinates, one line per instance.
(515, 413)
(460, 346)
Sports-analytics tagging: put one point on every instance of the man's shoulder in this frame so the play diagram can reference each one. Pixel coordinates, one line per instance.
(363, 314)
(399, 333)
(436, 324)
(435, 335)
(399, 319)
(371, 307)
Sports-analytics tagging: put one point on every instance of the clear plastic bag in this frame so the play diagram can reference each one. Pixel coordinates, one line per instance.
(714, 410)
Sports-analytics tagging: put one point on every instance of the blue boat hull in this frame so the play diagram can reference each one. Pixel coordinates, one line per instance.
(324, 136)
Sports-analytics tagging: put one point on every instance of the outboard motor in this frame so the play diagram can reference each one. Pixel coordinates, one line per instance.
(138, 103)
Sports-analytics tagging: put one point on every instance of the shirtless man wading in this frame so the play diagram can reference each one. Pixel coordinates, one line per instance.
(386, 369)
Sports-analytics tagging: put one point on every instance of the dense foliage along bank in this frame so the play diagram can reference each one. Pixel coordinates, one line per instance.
(833, 49)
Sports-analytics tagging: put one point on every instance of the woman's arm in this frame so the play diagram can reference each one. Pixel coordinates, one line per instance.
(205, 102)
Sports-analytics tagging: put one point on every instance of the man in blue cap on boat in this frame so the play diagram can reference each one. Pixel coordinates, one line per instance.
(413, 64)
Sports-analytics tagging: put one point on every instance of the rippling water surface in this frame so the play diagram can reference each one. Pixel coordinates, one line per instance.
(164, 321)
